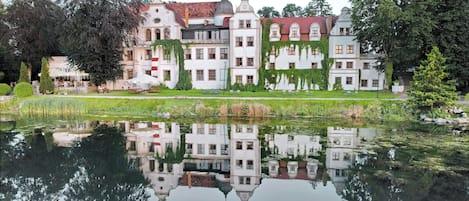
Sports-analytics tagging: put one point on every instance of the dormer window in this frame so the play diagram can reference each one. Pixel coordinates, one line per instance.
(315, 32)
(274, 32)
(341, 31)
(347, 31)
(295, 32)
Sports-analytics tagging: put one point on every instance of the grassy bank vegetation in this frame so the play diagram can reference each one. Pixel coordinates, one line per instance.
(271, 94)
(365, 109)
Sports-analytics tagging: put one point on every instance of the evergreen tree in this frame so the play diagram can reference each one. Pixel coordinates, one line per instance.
(268, 12)
(45, 84)
(318, 8)
(24, 74)
(431, 88)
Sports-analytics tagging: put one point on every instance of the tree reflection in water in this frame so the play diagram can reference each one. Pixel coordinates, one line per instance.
(97, 169)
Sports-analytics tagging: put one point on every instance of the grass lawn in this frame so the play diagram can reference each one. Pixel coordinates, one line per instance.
(274, 94)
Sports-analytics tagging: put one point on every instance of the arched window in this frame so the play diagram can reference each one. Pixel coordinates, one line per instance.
(295, 32)
(315, 32)
(166, 33)
(274, 32)
(157, 34)
(148, 35)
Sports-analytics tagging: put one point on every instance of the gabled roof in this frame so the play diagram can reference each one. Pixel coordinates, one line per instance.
(196, 10)
(304, 24)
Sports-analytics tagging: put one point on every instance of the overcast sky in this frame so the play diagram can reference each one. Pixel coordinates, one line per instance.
(337, 5)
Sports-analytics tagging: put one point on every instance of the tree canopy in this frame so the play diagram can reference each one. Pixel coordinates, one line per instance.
(317, 8)
(451, 21)
(94, 32)
(33, 27)
(292, 10)
(268, 12)
(431, 88)
(403, 31)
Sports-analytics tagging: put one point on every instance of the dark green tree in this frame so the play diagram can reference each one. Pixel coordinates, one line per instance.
(268, 12)
(451, 20)
(431, 88)
(399, 31)
(45, 84)
(292, 10)
(318, 8)
(33, 27)
(94, 34)
(24, 74)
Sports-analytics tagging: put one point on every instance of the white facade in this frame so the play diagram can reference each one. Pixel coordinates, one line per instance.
(351, 69)
(245, 160)
(245, 45)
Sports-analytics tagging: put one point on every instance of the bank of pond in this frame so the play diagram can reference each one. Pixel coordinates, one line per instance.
(124, 158)
(388, 110)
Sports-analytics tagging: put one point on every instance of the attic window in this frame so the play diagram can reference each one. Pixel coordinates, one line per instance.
(157, 20)
(157, 10)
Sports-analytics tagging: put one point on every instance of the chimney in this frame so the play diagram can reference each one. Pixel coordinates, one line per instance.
(186, 21)
(329, 24)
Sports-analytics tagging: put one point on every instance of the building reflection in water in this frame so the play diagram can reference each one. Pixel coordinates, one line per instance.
(228, 157)
(344, 145)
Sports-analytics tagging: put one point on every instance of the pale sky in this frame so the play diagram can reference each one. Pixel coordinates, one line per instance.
(337, 5)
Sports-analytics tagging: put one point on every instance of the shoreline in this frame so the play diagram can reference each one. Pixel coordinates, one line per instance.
(218, 107)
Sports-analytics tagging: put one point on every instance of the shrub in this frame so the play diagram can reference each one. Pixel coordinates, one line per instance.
(338, 86)
(24, 74)
(467, 97)
(46, 85)
(4, 89)
(23, 89)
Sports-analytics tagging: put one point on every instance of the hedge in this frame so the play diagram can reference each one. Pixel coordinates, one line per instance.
(23, 89)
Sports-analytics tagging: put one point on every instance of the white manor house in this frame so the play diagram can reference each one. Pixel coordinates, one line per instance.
(224, 46)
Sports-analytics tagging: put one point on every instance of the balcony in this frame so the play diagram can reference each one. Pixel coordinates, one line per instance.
(206, 41)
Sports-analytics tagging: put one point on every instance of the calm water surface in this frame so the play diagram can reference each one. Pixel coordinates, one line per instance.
(272, 160)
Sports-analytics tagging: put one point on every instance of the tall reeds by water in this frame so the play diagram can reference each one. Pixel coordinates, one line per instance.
(50, 106)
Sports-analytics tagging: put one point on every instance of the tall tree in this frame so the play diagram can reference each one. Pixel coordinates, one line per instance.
(431, 88)
(45, 84)
(268, 12)
(399, 31)
(292, 10)
(318, 8)
(33, 27)
(24, 74)
(451, 18)
(94, 33)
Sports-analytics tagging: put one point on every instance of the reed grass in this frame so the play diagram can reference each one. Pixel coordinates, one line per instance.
(208, 108)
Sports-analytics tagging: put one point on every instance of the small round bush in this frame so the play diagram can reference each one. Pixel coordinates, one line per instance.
(4, 89)
(23, 89)
(467, 97)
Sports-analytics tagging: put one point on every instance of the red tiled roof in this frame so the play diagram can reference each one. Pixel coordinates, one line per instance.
(145, 8)
(304, 24)
(196, 10)
(226, 22)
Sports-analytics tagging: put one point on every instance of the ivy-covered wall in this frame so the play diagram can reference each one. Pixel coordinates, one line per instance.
(175, 47)
(302, 77)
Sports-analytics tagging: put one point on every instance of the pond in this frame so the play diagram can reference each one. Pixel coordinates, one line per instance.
(180, 160)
